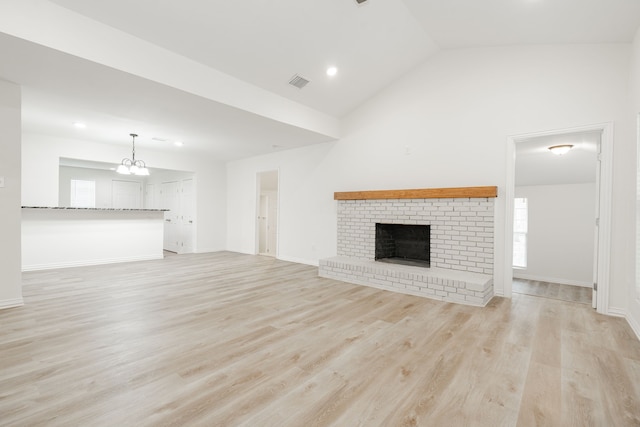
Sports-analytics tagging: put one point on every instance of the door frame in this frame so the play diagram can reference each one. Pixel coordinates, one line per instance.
(604, 207)
(257, 211)
(633, 309)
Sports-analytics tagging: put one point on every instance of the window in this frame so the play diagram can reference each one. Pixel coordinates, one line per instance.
(520, 225)
(83, 194)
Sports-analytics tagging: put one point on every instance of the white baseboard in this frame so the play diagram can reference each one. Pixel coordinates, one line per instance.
(208, 250)
(635, 326)
(10, 303)
(517, 275)
(297, 260)
(85, 263)
(621, 312)
(617, 312)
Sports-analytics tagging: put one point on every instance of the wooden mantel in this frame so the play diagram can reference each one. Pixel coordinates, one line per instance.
(421, 193)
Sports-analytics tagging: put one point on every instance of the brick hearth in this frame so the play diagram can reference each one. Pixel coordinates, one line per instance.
(461, 247)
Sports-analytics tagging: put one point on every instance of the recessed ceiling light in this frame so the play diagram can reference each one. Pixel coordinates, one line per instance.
(178, 143)
(332, 71)
(79, 125)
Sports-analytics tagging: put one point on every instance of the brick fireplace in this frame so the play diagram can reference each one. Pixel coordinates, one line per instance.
(461, 224)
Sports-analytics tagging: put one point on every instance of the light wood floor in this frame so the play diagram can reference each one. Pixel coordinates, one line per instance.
(579, 294)
(235, 340)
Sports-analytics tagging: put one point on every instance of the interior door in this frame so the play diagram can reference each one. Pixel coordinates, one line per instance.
(187, 217)
(126, 194)
(150, 197)
(262, 225)
(272, 226)
(170, 199)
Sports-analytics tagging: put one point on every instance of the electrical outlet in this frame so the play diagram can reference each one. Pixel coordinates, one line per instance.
(1, 181)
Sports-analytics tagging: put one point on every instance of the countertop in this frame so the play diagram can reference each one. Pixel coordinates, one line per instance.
(93, 209)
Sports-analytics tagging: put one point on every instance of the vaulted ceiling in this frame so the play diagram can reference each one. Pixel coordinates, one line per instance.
(214, 74)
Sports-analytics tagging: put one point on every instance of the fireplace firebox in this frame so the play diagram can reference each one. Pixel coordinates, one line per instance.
(403, 244)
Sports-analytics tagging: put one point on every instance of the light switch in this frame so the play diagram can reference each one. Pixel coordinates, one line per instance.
(1, 181)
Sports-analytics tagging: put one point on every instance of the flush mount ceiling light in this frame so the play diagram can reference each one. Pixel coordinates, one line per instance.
(561, 149)
(332, 71)
(133, 166)
(178, 143)
(79, 125)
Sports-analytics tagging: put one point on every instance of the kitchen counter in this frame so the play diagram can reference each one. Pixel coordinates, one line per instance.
(56, 237)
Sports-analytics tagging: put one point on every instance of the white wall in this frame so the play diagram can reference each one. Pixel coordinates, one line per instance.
(103, 179)
(10, 262)
(307, 212)
(633, 296)
(560, 238)
(453, 115)
(40, 166)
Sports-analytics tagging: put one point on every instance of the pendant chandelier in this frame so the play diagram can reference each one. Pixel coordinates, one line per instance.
(133, 166)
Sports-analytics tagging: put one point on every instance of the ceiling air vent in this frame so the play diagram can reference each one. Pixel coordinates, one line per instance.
(361, 1)
(298, 81)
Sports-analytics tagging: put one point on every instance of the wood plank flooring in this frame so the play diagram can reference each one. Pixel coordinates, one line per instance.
(579, 294)
(225, 339)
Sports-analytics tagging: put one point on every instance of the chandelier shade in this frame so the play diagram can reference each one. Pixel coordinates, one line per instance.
(132, 166)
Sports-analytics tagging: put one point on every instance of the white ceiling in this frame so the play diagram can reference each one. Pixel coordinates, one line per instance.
(472, 23)
(264, 43)
(113, 104)
(536, 165)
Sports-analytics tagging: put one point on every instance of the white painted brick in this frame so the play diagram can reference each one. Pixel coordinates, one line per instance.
(356, 227)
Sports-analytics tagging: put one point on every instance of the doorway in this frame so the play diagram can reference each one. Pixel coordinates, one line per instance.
(267, 213)
(570, 196)
(555, 215)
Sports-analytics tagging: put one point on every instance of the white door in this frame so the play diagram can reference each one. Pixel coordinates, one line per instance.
(187, 216)
(262, 225)
(170, 199)
(126, 194)
(272, 228)
(150, 197)
(267, 213)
